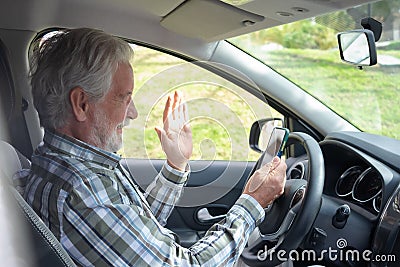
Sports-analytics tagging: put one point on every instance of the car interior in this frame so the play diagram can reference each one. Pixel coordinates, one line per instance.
(343, 183)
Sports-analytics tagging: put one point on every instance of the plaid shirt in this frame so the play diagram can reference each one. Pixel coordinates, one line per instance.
(91, 204)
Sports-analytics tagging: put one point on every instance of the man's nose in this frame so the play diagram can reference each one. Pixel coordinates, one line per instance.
(132, 111)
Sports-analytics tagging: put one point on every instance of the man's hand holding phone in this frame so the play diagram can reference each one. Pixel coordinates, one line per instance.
(268, 182)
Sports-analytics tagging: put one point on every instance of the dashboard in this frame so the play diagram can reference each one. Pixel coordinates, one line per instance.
(362, 176)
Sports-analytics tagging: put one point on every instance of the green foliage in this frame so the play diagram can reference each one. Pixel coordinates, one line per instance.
(338, 21)
(306, 34)
(368, 97)
(303, 34)
(221, 114)
(380, 10)
(391, 46)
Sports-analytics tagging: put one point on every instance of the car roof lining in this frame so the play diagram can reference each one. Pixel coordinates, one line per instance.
(213, 20)
(161, 15)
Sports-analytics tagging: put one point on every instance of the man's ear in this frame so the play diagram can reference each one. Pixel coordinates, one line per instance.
(79, 103)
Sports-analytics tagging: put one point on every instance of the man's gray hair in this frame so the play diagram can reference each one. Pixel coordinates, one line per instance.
(83, 57)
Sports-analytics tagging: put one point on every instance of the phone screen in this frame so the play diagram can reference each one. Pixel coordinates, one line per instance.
(275, 145)
(274, 148)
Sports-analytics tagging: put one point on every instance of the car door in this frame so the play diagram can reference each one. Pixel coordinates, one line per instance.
(221, 115)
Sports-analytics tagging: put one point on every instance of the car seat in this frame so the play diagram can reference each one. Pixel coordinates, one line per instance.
(46, 249)
(24, 240)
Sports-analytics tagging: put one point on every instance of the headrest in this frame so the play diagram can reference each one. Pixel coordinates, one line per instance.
(11, 160)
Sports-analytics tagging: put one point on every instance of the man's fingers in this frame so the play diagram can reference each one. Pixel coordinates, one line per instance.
(275, 162)
(167, 109)
(268, 182)
(176, 114)
(159, 132)
(175, 106)
(167, 112)
(179, 108)
(259, 177)
(185, 112)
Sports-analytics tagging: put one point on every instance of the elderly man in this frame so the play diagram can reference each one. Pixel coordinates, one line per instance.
(82, 84)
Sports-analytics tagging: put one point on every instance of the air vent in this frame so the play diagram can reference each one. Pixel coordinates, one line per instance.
(297, 172)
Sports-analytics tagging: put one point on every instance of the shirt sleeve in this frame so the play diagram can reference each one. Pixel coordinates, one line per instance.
(165, 191)
(124, 235)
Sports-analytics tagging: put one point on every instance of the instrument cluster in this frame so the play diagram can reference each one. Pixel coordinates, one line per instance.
(362, 185)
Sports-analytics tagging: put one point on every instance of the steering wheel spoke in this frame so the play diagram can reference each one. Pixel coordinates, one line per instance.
(283, 228)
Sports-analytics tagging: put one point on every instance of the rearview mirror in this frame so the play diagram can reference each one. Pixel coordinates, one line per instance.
(358, 47)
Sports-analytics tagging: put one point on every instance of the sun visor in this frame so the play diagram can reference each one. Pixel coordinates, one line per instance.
(208, 19)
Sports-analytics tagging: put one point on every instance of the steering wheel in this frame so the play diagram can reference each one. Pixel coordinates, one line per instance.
(291, 216)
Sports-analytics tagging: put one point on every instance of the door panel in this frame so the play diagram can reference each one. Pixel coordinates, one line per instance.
(207, 179)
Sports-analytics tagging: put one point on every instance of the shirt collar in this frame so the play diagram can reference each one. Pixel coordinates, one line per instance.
(68, 145)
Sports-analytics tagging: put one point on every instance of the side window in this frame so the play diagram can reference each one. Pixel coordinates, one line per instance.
(220, 112)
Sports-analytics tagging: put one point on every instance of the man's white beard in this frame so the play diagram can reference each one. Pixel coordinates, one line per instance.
(103, 136)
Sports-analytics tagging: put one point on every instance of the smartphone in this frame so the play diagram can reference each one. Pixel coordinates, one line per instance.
(275, 147)
(276, 144)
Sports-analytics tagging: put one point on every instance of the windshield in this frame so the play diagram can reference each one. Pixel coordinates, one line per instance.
(306, 53)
